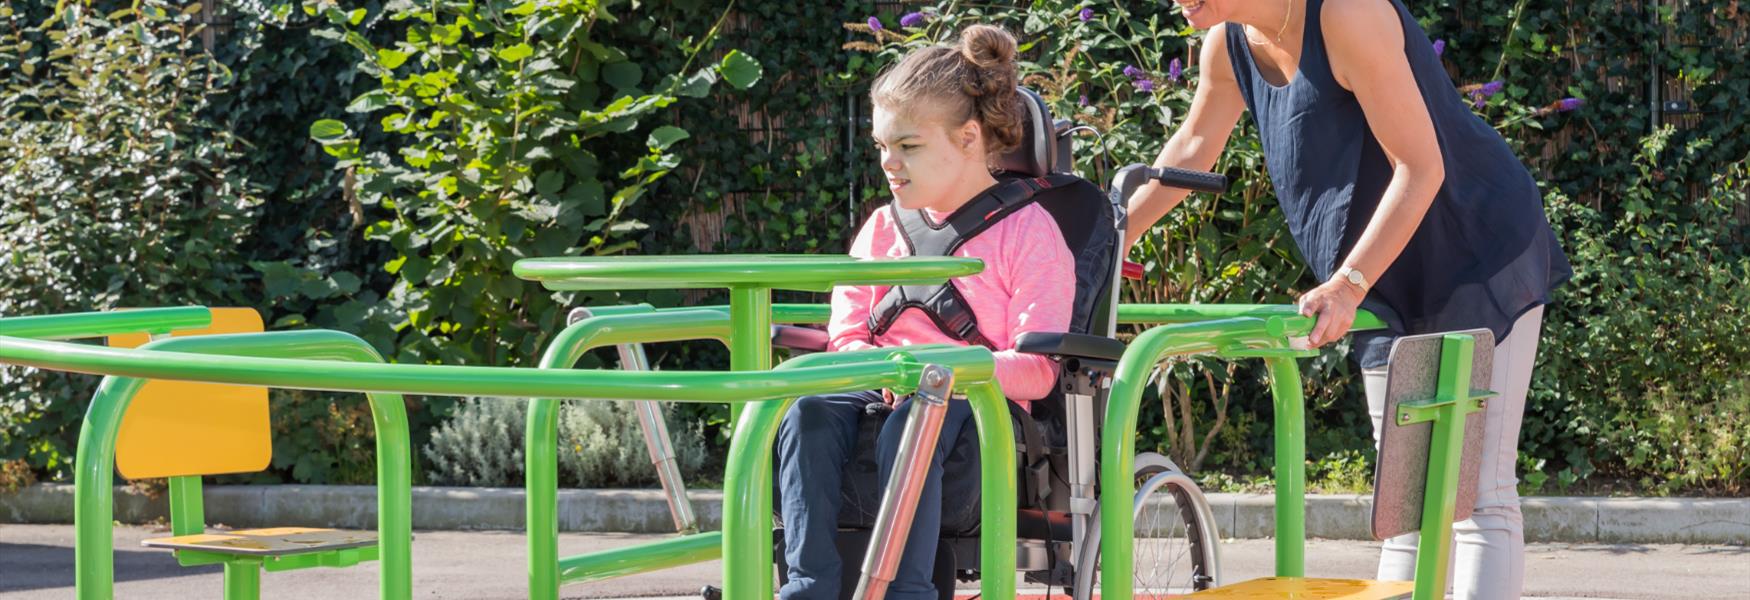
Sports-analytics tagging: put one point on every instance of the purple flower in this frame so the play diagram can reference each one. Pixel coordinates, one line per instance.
(1145, 85)
(915, 19)
(1567, 104)
(1175, 70)
(874, 24)
(1132, 72)
(1439, 47)
(1480, 101)
(1084, 100)
(1086, 15)
(1491, 88)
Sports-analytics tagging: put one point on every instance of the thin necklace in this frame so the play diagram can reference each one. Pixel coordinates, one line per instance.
(1285, 20)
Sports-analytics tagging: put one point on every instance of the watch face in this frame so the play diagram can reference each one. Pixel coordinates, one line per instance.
(1355, 277)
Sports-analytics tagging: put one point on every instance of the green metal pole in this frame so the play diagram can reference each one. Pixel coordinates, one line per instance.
(1445, 453)
(750, 334)
(93, 498)
(996, 446)
(242, 580)
(747, 485)
(442, 380)
(1290, 419)
(103, 324)
(630, 560)
(747, 502)
(1191, 313)
(186, 512)
(541, 439)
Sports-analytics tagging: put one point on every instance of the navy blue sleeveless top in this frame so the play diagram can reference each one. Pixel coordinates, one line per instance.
(1482, 256)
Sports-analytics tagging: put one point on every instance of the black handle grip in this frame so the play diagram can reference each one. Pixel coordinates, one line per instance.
(1197, 181)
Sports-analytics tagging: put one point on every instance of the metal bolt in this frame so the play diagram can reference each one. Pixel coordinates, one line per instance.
(932, 377)
(1483, 403)
(1404, 418)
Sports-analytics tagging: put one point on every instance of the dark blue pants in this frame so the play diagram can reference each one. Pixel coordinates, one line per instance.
(816, 441)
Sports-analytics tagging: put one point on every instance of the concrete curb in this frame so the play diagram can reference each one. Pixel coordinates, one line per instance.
(1547, 519)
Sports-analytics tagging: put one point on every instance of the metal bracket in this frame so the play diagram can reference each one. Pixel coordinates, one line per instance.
(1410, 413)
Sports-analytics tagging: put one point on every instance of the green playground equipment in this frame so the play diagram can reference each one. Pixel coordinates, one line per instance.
(333, 361)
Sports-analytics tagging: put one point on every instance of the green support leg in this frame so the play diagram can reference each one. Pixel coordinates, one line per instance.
(750, 335)
(1453, 401)
(242, 580)
(747, 502)
(1290, 406)
(186, 514)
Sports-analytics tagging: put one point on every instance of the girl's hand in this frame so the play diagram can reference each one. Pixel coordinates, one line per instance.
(1334, 303)
(888, 397)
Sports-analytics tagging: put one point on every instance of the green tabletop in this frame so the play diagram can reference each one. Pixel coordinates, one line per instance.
(807, 272)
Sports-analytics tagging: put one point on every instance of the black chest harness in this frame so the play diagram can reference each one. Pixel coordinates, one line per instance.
(942, 302)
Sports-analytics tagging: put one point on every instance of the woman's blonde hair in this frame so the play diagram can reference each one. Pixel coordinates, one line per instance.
(973, 79)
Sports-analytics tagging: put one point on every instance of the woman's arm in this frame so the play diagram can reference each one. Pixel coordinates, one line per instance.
(1215, 109)
(1365, 40)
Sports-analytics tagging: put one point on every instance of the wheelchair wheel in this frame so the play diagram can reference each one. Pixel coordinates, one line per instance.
(1175, 550)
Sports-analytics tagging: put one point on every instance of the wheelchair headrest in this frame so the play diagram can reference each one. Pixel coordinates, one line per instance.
(1038, 153)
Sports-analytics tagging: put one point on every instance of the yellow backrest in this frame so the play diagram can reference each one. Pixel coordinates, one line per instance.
(177, 428)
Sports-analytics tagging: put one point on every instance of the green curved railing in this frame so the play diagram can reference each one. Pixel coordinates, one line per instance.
(751, 446)
(95, 461)
(1233, 331)
(746, 541)
(614, 325)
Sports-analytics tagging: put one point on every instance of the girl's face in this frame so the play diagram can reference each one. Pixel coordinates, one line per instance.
(1204, 14)
(927, 164)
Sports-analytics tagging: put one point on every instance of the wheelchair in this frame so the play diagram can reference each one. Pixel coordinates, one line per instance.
(1058, 442)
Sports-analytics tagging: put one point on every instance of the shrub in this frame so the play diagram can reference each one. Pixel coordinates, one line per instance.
(117, 190)
(599, 445)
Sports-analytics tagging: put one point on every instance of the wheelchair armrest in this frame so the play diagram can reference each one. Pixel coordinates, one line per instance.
(807, 339)
(1070, 345)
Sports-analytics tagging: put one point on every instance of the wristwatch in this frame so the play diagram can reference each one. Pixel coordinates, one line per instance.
(1354, 277)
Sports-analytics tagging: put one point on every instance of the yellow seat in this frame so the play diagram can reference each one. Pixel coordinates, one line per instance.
(183, 430)
(1300, 588)
(178, 428)
(277, 541)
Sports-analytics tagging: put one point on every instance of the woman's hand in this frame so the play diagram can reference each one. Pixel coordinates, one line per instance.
(1334, 303)
(888, 397)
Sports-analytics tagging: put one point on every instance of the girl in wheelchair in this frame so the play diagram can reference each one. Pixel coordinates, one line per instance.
(942, 115)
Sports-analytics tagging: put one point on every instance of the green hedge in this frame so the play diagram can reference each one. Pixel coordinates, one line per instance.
(1641, 385)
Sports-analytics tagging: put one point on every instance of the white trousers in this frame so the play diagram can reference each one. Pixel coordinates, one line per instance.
(1489, 553)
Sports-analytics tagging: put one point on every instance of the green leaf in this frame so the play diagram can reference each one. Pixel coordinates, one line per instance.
(666, 136)
(516, 53)
(367, 102)
(329, 131)
(740, 70)
(622, 75)
(549, 183)
(391, 59)
(699, 85)
(356, 16)
(587, 198)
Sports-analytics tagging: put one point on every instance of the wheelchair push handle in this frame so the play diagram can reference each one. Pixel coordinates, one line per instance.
(1196, 181)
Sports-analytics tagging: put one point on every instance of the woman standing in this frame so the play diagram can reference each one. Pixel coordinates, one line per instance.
(1401, 201)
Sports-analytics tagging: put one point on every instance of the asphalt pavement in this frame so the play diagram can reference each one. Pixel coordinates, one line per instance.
(36, 561)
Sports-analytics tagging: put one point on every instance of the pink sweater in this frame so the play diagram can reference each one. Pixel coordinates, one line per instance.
(1028, 284)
